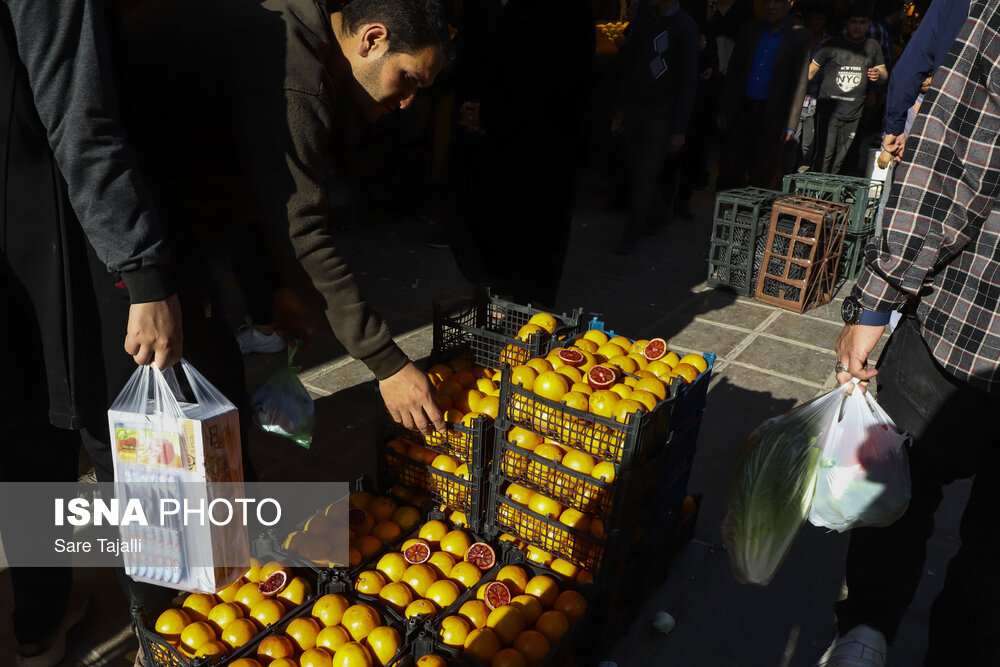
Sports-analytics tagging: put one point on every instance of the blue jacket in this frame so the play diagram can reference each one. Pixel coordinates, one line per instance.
(923, 53)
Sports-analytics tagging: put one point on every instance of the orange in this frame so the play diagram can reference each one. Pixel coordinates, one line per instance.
(421, 606)
(359, 620)
(519, 494)
(604, 471)
(482, 644)
(564, 567)
(272, 567)
(597, 529)
(551, 385)
(432, 532)
(475, 612)
(579, 461)
(194, 635)
(392, 565)
(314, 657)
(572, 374)
(332, 637)
(398, 446)
(368, 546)
(464, 377)
(432, 660)
(247, 597)
(296, 592)
(659, 368)
(406, 517)
(622, 342)
(397, 595)
(577, 399)
(514, 577)
(362, 522)
(640, 361)
(383, 642)
(527, 330)
(695, 360)
(624, 362)
(274, 647)
(417, 453)
(197, 606)
(469, 418)
(686, 371)
(647, 399)
(353, 654)
(540, 365)
(534, 646)
(329, 609)
(539, 556)
(584, 577)
(267, 612)
(238, 632)
(468, 400)
(490, 405)
(439, 372)
(228, 594)
(595, 335)
(449, 388)
(548, 451)
(453, 631)
(523, 438)
(624, 410)
(507, 622)
(211, 649)
(456, 542)
(171, 623)
(571, 604)
(545, 506)
(602, 403)
(622, 389)
(443, 593)
(442, 562)
(466, 574)
(529, 606)
(369, 582)
(485, 386)
(523, 376)
(387, 531)
(546, 321)
(508, 657)
(653, 386)
(553, 624)
(419, 578)
(609, 351)
(303, 632)
(245, 662)
(462, 472)
(444, 463)
(544, 588)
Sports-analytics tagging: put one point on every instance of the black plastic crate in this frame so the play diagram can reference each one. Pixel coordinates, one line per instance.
(484, 330)
(468, 444)
(862, 194)
(628, 444)
(741, 218)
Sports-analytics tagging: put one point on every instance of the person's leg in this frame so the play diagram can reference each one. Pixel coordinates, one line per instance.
(828, 130)
(735, 157)
(645, 142)
(846, 131)
(946, 419)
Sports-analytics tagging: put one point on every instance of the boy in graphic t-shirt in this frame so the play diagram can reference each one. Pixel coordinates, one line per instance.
(848, 61)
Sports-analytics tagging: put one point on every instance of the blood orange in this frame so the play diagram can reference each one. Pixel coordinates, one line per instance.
(601, 377)
(496, 595)
(655, 349)
(274, 584)
(417, 553)
(571, 357)
(481, 555)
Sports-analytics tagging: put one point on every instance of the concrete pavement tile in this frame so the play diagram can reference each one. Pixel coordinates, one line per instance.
(723, 308)
(699, 336)
(805, 329)
(788, 358)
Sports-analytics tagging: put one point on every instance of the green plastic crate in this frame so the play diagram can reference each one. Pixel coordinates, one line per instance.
(853, 256)
(862, 194)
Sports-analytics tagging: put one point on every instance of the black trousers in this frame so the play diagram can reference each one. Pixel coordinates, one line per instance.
(648, 130)
(835, 137)
(955, 437)
(751, 156)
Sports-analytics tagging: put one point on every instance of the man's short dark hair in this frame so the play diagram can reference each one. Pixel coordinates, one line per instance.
(413, 24)
(860, 9)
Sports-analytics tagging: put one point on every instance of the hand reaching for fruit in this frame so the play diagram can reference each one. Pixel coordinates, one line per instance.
(410, 400)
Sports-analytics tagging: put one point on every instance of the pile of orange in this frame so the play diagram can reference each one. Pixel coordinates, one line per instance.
(535, 616)
(540, 327)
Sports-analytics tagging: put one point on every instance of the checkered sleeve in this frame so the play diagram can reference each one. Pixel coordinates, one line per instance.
(949, 180)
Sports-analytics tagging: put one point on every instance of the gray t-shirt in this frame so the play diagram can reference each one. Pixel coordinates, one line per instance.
(845, 67)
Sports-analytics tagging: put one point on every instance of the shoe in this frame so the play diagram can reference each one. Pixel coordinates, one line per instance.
(51, 650)
(863, 646)
(439, 241)
(251, 340)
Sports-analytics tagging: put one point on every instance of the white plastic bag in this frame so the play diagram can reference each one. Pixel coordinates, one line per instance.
(166, 448)
(864, 477)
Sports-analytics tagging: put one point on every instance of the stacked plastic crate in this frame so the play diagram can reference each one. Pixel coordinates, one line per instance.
(739, 231)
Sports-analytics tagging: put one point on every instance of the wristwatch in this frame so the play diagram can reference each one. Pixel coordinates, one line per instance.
(853, 313)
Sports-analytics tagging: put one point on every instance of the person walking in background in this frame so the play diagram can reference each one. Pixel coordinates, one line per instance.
(762, 100)
(884, 28)
(521, 88)
(657, 92)
(814, 17)
(848, 62)
(939, 375)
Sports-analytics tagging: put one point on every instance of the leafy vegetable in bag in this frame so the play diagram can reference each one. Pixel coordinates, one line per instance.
(283, 406)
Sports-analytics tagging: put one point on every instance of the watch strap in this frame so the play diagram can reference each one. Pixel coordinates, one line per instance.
(874, 318)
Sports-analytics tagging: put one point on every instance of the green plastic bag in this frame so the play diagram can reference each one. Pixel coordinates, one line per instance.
(283, 406)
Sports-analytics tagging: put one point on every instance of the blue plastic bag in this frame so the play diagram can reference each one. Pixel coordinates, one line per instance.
(283, 406)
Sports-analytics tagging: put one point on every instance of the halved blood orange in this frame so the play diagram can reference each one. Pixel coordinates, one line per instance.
(496, 595)
(274, 584)
(655, 349)
(481, 555)
(601, 377)
(572, 357)
(417, 553)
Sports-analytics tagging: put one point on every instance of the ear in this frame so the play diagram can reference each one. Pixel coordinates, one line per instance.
(372, 38)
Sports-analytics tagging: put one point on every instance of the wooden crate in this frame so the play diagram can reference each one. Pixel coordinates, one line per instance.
(804, 244)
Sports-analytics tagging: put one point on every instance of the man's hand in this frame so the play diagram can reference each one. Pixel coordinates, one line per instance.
(706, 74)
(154, 332)
(894, 143)
(410, 400)
(468, 117)
(722, 123)
(292, 318)
(618, 123)
(787, 136)
(873, 73)
(676, 143)
(854, 344)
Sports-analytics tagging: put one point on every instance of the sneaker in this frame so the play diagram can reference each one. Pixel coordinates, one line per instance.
(51, 650)
(439, 241)
(863, 646)
(251, 340)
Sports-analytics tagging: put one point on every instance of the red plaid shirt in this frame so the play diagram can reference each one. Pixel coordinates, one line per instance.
(940, 244)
